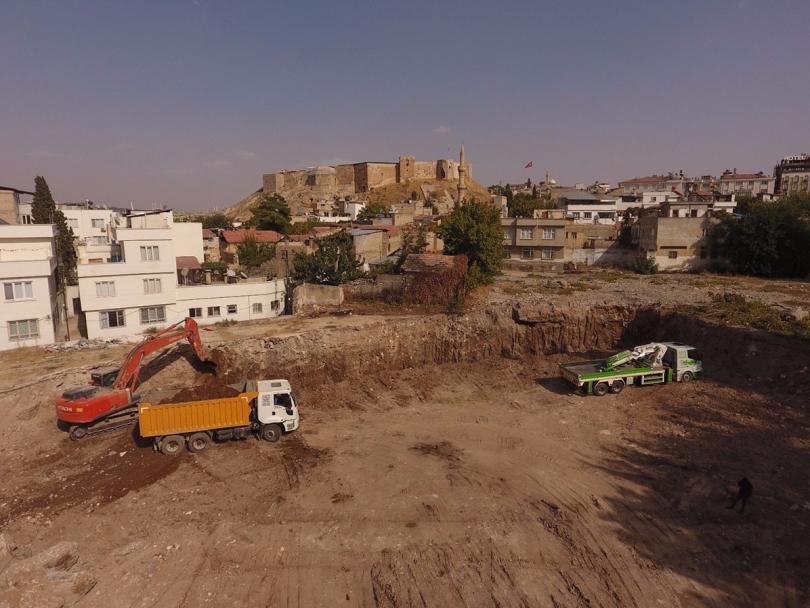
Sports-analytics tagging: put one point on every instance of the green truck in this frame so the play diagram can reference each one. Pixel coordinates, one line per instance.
(654, 363)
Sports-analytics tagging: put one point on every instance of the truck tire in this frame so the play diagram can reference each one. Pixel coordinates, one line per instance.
(601, 389)
(271, 432)
(198, 442)
(617, 387)
(172, 445)
(78, 432)
(687, 377)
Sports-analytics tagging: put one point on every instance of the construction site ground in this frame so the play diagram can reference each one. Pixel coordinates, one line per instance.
(467, 481)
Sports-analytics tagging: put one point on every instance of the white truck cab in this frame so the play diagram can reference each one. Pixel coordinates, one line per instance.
(685, 361)
(276, 404)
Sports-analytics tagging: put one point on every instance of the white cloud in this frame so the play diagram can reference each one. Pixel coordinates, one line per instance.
(217, 164)
(242, 155)
(441, 130)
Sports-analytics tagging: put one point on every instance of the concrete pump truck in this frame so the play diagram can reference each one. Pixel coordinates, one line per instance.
(110, 401)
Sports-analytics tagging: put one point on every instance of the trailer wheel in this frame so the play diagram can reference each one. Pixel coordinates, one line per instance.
(271, 432)
(617, 387)
(171, 445)
(198, 442)
(78, 432)
(687, 377)
(600, 389)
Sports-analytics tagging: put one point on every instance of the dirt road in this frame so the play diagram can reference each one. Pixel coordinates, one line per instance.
(475, 483)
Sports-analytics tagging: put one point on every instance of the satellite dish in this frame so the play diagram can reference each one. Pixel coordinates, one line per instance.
(184, 272)
(230, 273)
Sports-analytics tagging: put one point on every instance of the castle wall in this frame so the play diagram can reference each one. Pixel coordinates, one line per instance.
(381, 174)
(448, 169)
(345, 176)
(426, 170)
(407, 168)
(272, 182)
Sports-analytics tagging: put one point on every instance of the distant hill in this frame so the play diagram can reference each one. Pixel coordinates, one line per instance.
(391, 194)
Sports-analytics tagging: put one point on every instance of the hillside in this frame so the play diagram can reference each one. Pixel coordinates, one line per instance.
(389, 195)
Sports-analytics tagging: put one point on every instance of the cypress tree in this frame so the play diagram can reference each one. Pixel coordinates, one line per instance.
(44, 211)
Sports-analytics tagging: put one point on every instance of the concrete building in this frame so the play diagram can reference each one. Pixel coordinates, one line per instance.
(587, 208)
(792, 174)
(231, 239)
(142, 289)
(12, 211)
(541, 238)
(29, 311)
(211, 250)
(746, 184)
(676, 243)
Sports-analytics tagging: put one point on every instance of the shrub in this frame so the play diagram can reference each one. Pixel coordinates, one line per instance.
(644, 264)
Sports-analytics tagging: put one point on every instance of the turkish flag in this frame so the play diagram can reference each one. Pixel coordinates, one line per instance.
(529, 165)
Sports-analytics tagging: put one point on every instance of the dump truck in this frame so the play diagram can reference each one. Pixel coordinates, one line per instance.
(654, 363)
(267, 408)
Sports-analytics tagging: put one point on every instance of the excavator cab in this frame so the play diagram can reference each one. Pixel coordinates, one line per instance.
(104, 378)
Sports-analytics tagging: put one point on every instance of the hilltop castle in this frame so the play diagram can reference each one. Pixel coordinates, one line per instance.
(326, 182)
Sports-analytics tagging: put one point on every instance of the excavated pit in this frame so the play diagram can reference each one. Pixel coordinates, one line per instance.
(538, 335)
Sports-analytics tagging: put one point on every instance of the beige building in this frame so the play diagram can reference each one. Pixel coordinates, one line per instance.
(676, 243)
(792, 174)
(540, 238)
(10, 210)
(746, 184)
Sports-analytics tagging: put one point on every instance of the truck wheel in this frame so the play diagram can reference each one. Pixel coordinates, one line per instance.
(600, 389)
(171, 445)
(617, 387)
(271, 432)
(78, 432)
(687, 377)
(198, 442)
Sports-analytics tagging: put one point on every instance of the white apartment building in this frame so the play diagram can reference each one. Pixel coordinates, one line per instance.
(748, 184)
(142, 290)
(28, 309)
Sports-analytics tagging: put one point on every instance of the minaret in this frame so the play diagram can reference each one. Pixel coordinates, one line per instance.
(462, 177)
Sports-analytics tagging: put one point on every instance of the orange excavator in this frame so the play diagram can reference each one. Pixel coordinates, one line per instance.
(110, 401)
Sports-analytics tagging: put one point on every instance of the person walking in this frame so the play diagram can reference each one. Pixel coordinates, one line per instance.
(746, 489)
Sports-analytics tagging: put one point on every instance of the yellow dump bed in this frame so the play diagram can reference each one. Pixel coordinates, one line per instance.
(179, 418)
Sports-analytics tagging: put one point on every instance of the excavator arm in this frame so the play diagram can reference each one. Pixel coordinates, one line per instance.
(131, 368)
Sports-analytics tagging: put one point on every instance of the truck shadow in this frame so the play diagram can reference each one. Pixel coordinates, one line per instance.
(556, 385)
(753, 420)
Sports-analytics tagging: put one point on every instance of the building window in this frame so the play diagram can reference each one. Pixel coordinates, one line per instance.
(574, 235)
(195, 312)
(150, 253)
(507, 234)
(652, 199)
(231, 309)
(275, 305)
(549, 234)
(105, 289)
(23, 330)
(153, 314)
(547, 253)
(97, 223)
(73, 223)
(27, 219)
(97, 240)
(526, 234)
(111, 318)
(213, 311)
(257, 308)
(152, 286)
(587, 214)
(673, 255)
(21, 290)
(575, 214)
(527, 253)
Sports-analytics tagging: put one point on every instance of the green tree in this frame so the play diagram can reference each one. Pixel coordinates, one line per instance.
(305, 227)
(507, 192)
(252, 253)
(474, 230)
(215, 220)
(413, 240)
(44, 211)
(271, 213)
(372, 210)
(769, 240)
(644, 264)
(334, 262)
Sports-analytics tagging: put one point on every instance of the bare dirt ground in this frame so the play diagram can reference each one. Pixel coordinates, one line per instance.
(479, 482)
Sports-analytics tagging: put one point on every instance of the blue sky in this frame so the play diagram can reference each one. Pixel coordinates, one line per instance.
(188, 103)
